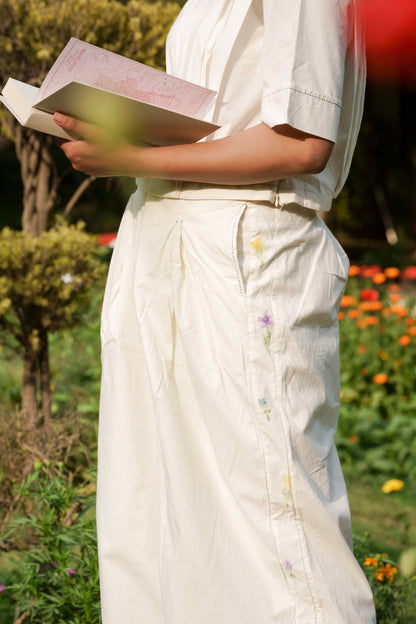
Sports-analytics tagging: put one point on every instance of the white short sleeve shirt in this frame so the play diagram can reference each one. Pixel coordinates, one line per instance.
(296, 62)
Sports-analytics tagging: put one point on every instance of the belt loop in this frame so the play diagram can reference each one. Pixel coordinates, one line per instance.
(277, 196)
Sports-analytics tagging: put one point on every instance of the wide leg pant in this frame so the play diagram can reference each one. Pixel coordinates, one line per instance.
(220, 495)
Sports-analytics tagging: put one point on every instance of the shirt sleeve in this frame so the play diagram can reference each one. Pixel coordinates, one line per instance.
(303, 61)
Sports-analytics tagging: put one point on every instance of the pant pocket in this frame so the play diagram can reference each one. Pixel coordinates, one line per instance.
(237, 248)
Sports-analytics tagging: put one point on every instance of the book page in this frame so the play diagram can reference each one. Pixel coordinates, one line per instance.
(85, 63)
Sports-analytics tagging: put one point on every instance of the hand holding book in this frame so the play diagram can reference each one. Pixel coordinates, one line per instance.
(96, 151)
(127, 98)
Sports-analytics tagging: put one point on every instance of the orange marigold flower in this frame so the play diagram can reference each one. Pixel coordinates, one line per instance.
(354, 313)
(372, 320)
(410, 321)
(386, 573)
(354, 439)
(354, 270)
(412, 331)
(341, 316)
(379, 278)
(393, 288)
(370, 306)
(399, 310)
(380, 379)
(362, 323)
(391, 272)
(370, 561)
(348, 301)
(395, 297)
(404, 340)
(361, 349)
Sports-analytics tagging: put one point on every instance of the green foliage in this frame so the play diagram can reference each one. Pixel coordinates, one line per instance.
(377, 425)
(391, 589)
(33, 32)
(45, 280)
(56, 581)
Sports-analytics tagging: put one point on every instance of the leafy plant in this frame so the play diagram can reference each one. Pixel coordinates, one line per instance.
(377, 424)
(56, 580)
(44, 285)
(391, 589)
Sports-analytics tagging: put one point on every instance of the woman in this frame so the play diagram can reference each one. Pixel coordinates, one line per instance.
(220, 495)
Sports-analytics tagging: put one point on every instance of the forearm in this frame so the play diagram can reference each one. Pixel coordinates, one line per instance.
(259, 154)
(256, 155)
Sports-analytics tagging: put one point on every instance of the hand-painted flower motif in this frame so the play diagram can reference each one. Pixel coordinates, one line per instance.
(265, 407)
(289, 568)
(258, 247)
(267, 326)
(287, 489)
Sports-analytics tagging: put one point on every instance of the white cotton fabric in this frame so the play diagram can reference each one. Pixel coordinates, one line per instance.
(306, 69)
(221, 499)
(220, 495)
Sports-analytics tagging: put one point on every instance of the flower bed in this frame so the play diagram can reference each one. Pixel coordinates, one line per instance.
(377, 426)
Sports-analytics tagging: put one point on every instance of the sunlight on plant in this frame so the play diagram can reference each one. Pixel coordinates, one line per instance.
(377, 424)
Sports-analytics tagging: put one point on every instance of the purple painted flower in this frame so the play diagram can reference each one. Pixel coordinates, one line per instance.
(266, 320)
(288, 565)
(2, 588)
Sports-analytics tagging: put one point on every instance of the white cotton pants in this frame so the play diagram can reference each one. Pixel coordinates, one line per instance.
(220, 494)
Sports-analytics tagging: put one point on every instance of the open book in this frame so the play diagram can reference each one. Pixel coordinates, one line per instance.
(124, 96)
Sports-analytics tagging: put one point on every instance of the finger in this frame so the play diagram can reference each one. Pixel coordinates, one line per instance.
(75, 126)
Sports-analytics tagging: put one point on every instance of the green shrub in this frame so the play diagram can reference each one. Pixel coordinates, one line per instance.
(391, 589)
(56, 579)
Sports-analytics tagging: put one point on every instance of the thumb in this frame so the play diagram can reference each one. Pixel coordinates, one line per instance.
(79, 128)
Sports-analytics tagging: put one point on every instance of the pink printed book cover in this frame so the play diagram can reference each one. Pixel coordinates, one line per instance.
(125, 96)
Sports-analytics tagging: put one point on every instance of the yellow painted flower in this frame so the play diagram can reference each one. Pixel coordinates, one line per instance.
(257, 244)
(392, 485)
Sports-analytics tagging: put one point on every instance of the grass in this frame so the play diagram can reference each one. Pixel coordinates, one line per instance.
(390, 519)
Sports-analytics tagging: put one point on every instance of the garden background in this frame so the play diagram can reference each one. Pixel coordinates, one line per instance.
(52, 276)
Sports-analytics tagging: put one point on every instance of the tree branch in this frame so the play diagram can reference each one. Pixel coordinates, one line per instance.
(80, 190)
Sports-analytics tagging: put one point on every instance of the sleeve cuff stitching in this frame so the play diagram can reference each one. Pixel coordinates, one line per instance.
(304, 91)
